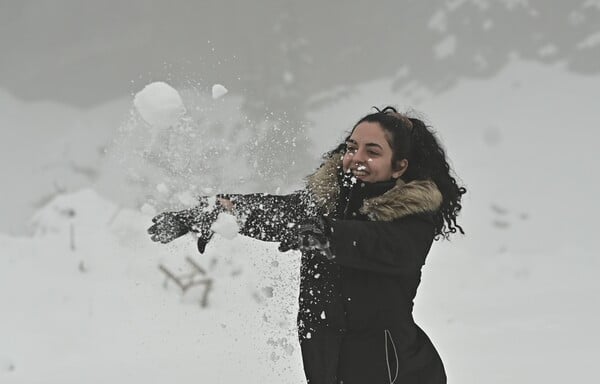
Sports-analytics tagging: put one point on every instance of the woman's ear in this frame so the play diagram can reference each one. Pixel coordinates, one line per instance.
(399, 169)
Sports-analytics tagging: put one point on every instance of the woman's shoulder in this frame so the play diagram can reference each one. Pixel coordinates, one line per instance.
(418, 225)
(422, 218)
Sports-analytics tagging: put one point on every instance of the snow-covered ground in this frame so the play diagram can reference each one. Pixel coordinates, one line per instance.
(84, 301)
(513, 301)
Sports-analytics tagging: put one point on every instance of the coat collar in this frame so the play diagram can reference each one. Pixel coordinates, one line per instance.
(403, 199)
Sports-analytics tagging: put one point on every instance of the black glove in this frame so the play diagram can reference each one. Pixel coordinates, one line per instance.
(167, 227)
(289, 239)
(311, 235)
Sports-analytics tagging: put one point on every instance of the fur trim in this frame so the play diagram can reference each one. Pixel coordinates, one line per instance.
(403, 199)
(417, 196)
(323, 184)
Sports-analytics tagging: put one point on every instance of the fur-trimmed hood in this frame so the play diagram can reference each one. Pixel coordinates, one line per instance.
(401, 200)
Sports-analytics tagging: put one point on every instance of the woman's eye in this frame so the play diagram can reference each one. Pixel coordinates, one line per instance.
(352, 149)
(373, 153)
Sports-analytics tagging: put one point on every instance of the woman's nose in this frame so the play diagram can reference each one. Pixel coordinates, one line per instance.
(360, 156)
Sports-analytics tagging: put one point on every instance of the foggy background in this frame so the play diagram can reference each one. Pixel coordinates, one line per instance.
(511, 86)
(70, 68)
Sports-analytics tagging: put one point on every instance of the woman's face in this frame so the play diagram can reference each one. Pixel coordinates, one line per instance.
(369, 155)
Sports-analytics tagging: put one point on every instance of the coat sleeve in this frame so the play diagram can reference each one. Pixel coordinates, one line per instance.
(389, 247)
(270, 217)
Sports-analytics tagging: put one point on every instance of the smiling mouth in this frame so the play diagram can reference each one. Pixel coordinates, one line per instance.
(357, 172)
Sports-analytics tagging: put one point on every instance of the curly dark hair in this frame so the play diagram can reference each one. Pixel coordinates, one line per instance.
(411, 139)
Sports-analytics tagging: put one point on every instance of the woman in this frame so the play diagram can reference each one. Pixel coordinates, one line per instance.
(365, 223)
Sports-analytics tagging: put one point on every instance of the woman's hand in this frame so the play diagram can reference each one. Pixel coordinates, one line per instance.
(311, 235)
(225, 203)
(167, 227)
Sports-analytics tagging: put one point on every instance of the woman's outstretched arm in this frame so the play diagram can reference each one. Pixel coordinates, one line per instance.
(269, 217)
(261, 216)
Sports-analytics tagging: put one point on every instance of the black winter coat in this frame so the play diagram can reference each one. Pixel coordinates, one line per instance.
(355, 320)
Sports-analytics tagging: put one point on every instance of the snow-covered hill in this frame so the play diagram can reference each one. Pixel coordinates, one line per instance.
(85, 301)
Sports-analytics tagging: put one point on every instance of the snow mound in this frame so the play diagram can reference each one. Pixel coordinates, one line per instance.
(84, 208)
(218, 91)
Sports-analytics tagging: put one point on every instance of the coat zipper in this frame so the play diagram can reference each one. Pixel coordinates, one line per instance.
(388, 337)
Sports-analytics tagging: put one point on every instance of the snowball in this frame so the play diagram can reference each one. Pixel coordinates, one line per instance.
(218, 91)
(226, 226)
(159, 104)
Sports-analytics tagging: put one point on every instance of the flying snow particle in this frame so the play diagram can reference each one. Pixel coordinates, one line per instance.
(218, 91)
(159, 104)
(226, 226)
(323, 315)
